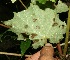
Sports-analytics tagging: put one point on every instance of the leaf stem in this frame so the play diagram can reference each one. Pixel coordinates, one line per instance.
(5, 26)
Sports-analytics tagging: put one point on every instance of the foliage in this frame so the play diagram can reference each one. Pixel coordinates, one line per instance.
(13, 1)
(41, 1)
(39, 27)
(24, 46)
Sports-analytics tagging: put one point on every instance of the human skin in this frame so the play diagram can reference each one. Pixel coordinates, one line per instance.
(46, 53)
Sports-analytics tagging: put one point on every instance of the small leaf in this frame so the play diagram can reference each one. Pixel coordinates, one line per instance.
(53, 0)
(13, 1)
(42, 1)
(24, 46)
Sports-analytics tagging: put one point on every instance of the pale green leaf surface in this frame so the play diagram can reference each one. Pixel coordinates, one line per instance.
(13, 1)
(44, 24)
(61, 7)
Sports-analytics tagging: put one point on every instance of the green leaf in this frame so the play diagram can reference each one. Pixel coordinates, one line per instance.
(42, 1)
(24, 46)
(53, 0)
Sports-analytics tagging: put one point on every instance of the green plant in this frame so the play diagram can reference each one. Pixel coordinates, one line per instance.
(38, 24)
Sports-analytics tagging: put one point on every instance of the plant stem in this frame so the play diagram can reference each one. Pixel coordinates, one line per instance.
(23, 4)
(14, 54)
(67, 34)
(5, 26)
(59, 48)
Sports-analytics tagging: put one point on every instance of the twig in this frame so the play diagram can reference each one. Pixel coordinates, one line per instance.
(5, 26)
(67, 34)
(23, 4)
(14, 54)
(8, 57)
(63, 44)
(59, 48)
(28, 55)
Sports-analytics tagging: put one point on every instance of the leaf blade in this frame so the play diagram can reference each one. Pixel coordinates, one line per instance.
(24, 46)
